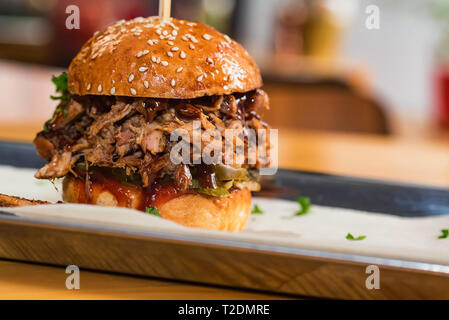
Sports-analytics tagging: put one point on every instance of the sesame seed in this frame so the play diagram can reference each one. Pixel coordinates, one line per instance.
(150, 42)
(88, 87)
(179, 69)
(174, 32)
(159, 31)
(173, 82)
(174, 49)
(153, 58)
(209, 60)
(194, 40)
(145, 83)
(191, 46)
(164, 63)
(170, 43)
(185, 38)
(227, 38)
(113, 90)
(133, 91)
(200, 78)
(137, 34)
(100, 88)
(131, 77)
(143, 69)
(226, 88)
(139, 54)
(191, 24)
(225, 78)
(170, 54)
(182, 55)
(165, 32)
(207, 36)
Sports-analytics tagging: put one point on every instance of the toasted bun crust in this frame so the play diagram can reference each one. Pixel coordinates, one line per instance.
(227, 214)
(145, 57)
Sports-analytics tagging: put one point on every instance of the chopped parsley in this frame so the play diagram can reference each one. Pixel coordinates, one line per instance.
(305, 205)
(444, 234)
(152, 210)
(256, 210)
(352, 238)
(61, 87)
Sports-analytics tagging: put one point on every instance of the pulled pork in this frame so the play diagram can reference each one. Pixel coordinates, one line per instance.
(134, 133)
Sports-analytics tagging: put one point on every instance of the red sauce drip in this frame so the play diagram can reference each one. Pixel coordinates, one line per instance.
(161, 192)
(128, 196)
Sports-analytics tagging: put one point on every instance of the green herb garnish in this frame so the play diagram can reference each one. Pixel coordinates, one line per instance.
(305, 204)
(152, 210)
(61, 87)
(444, 234)
(256, 210)
(352, 238)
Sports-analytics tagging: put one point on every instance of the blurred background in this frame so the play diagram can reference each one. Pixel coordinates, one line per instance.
(324, 68)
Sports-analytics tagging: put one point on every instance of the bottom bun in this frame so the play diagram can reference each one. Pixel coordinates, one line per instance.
(194, 210)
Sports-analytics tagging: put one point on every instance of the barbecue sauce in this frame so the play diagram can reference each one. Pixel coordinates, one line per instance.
(128, 196)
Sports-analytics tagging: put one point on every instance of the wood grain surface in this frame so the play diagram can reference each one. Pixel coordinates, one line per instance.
(30, 281)
(408, 159)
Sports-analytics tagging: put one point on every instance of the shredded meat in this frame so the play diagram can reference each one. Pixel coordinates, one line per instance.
(44, 147)
(152, 140)
(134, 133)
(11, 201)
(118, 112)
(58, 167)
(70, 112)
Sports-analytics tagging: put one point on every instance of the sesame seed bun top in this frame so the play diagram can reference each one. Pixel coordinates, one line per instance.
(146, 57)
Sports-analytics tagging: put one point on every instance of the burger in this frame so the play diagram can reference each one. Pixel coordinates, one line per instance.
(126, 92)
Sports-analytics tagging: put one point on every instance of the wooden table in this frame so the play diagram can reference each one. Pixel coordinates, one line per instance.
(25, 106)
(358, 155)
